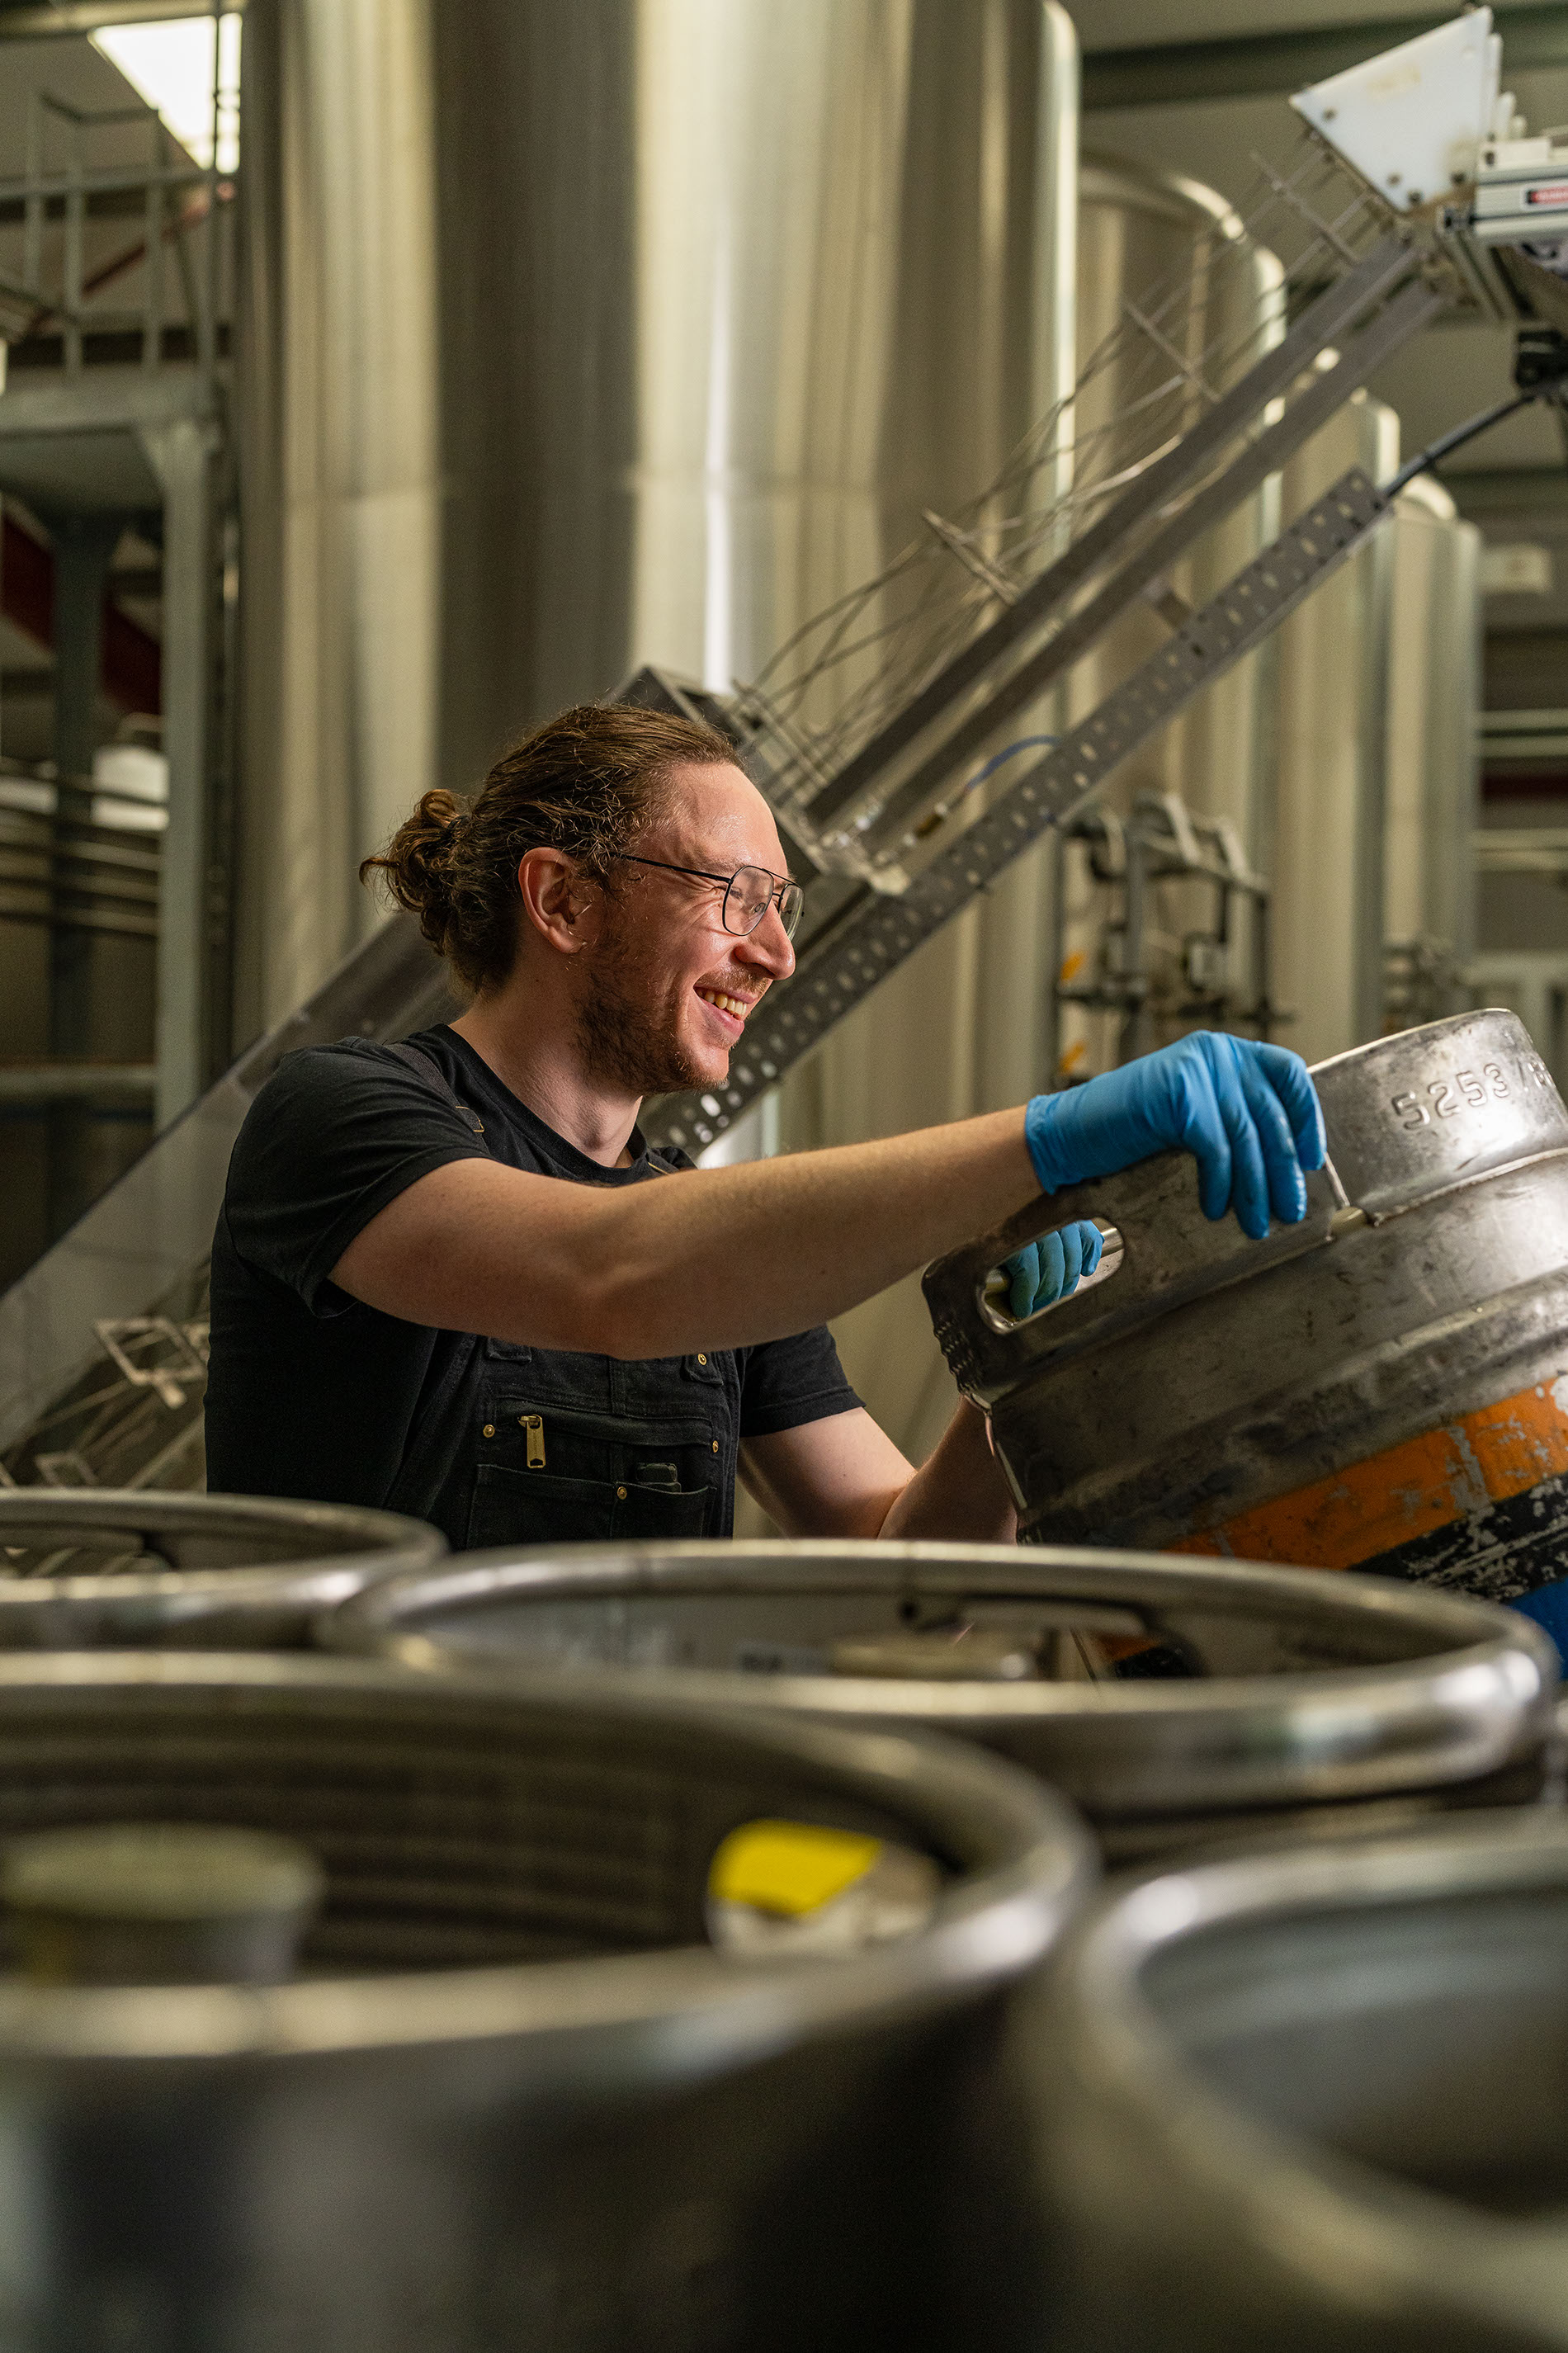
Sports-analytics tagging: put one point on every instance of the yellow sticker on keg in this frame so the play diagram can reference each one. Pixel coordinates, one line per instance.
(789, 1868)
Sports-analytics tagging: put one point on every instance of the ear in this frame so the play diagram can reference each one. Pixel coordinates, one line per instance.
(562, 904)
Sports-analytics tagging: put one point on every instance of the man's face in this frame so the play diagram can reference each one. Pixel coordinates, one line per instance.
(667, 990)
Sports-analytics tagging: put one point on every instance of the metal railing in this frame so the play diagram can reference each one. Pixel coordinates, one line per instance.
(50, 282)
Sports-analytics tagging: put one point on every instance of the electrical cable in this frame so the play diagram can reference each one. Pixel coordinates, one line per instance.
(1461, 434)
(1024, 744)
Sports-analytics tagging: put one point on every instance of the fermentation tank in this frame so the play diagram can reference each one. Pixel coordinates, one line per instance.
(1372, 806)
(667, 317)
(1327, 858)
(1142, 233)
(1434, 752)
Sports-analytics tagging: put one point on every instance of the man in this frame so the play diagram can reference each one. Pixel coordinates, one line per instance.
(449, 1277)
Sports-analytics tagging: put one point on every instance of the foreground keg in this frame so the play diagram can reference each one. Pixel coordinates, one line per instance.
(510, 2099)
(1384, 1386)
(1314, 2103)
(1278, 1701)
(88, 1567)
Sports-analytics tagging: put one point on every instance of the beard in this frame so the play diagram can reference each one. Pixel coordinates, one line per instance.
(627, 1040)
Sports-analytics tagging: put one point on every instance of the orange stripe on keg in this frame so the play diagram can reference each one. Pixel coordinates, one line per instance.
(1392, 1498)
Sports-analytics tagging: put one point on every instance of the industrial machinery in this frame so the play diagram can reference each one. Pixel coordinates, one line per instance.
(1215, 973)
(865, 729)
(1384, 1386)
(1177, 1705)
(1311, 2101)
(87, 1569)
(517, 2092)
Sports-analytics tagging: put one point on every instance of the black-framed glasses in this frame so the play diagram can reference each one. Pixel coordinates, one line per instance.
(749, 892)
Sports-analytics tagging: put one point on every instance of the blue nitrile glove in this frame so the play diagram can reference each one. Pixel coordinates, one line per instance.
(1248, 1113)
(1051, 1268)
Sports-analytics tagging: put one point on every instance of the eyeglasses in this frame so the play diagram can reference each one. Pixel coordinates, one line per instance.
(749, 892)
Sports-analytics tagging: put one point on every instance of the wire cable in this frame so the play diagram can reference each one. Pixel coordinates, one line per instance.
(1461, 434)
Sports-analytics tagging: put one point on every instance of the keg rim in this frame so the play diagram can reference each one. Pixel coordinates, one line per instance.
(660, 2014)
(1442, 1716)
(1101, 2032)
(344, 1547)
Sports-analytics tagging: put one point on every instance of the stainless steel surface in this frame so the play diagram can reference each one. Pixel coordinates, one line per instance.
(1211, 1375)
(1314, 2102)
(1326, 857)
(1309, 1702)
(1140, 228)
(158, 1903)
(87, 1569)
(1434, 746)
(511, 2100)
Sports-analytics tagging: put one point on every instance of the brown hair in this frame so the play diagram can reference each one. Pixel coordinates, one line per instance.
(583, 783)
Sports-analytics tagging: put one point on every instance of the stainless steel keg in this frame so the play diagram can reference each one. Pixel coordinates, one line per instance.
(513, 2098)
(89, 1567)
(1314, 2103)
(1384, 1387)
(1282, 1702)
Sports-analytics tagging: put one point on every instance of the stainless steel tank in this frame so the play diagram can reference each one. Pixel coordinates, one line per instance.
(1384, 1386)
(1313, 2102)
(1247, 1699)
(633, 333)
(89, 1568)
(1142, 235)
(511, 2099)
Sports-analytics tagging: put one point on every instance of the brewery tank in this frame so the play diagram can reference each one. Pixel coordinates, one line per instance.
(1312, 2101)
(1178, 1703)
(1367, 826)
(526, 2087)
(1384, 1386)
(579, 339)
(1160, 246)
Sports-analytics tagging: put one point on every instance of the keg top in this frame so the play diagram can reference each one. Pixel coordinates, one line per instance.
(1303, 1687)
(126, 1567)
(527, 1859)
(1408, 1119)
(1426, 1109)
(1317, 2050)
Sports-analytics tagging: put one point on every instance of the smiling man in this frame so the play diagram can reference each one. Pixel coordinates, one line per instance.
(445, 1281)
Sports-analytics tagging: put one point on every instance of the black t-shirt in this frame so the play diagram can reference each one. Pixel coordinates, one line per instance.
(312, 1394)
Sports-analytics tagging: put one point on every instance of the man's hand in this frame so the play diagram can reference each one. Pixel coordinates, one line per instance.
(1248, 1113)
(1052, 1268)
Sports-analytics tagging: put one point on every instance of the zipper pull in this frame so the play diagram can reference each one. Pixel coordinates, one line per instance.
(533, 1424)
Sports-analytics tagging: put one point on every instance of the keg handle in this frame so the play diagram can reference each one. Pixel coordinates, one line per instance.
(1170, 1253)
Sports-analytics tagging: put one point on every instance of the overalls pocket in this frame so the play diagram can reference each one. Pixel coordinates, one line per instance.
(553, 1474)
(538, 1507)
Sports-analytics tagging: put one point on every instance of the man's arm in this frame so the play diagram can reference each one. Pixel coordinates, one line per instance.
(726, 1258)
(732, 1257)
(843, 1476)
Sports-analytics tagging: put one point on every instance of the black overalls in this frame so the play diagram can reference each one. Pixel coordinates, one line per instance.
(559, 1447)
